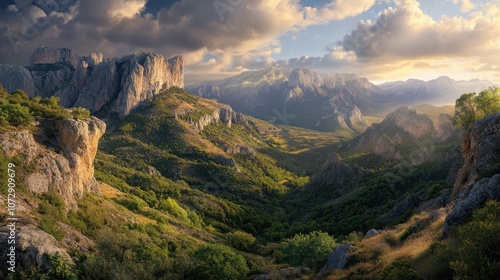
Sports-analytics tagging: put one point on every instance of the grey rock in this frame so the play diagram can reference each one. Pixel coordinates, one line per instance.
(93, 82)
(474, 197)
(337, 259)
(17, 77)
(372, 232)
(48, 55)
(480, 150)
(31, 244)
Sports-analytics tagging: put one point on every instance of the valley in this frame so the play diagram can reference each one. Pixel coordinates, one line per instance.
(273, 174)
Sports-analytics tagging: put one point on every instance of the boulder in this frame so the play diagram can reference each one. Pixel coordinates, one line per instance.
(372, 232)
(474, 197)
(337, 259)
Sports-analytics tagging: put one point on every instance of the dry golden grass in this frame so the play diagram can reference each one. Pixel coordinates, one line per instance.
(371, 255)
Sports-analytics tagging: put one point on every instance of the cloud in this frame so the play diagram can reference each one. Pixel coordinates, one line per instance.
(465, 5)
(116, 27)
(405, 31)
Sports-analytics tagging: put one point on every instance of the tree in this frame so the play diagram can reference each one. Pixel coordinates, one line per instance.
(488, 101)
(471, 107)
(215, 262)
(310, 250)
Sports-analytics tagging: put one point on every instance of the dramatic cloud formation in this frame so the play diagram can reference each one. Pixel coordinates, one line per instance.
(224, 37)
(232, 32)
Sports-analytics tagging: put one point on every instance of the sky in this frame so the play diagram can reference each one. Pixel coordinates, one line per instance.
(383, 40)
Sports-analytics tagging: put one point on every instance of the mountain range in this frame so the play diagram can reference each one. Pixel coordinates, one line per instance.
(327, 101)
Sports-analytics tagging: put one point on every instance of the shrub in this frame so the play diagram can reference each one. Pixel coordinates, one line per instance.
(215, 262)
(80, 113)
(241, 240)
(310, 250)
(479, 258)
(399, 270)
(16, 114)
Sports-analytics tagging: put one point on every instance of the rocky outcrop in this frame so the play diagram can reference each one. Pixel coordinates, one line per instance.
(241, 149)
(62, 154)
(32, 244)
(48, 55)
(16, 77)
(472, 198)
(224, 115)
(405, 127)
(119, 85)
(480, 150)
(334, 174)
(337, 259)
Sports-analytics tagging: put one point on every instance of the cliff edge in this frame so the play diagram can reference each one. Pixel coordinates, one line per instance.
(61, 155)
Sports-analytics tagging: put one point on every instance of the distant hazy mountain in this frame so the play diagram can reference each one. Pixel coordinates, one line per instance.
(303, 97)
(298, 97)
(440, 91)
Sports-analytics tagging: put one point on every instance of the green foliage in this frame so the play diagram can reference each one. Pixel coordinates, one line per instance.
(399, 270)
(60, 268)
(52, 207)
(215, 262)
(471, 107)
(309, 250)
(130, 255)
(18, 110)
(241, 240)
(80, 113)
(479, 257)
(16, 115)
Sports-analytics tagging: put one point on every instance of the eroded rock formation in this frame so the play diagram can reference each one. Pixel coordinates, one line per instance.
(61, 154)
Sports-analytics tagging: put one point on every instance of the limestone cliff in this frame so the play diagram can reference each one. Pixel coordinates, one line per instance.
(117, 85)
(481, 158)
(62, 155)
(481, 151)
(224, 115)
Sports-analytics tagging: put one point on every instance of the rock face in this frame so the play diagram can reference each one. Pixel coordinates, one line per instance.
(481, 151)
(474, 197)
(225, 115)
(47, 55)
(117, 85)
(406, 126)
(32, 244)
(337, 259)
(481, 157)
(63, 154)
(16, 77)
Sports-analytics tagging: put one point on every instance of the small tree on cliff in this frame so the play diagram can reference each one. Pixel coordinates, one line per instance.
(471, 107)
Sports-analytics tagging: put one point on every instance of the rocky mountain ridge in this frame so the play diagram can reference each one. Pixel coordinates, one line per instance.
(298, 97)
(325, 101)
(115, 85)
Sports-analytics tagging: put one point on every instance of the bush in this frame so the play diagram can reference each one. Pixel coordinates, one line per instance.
(16, 114)
(479, 258)
(216, 262)
(80, 113)
(399, 270)
(310, 250)
(241, 240)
